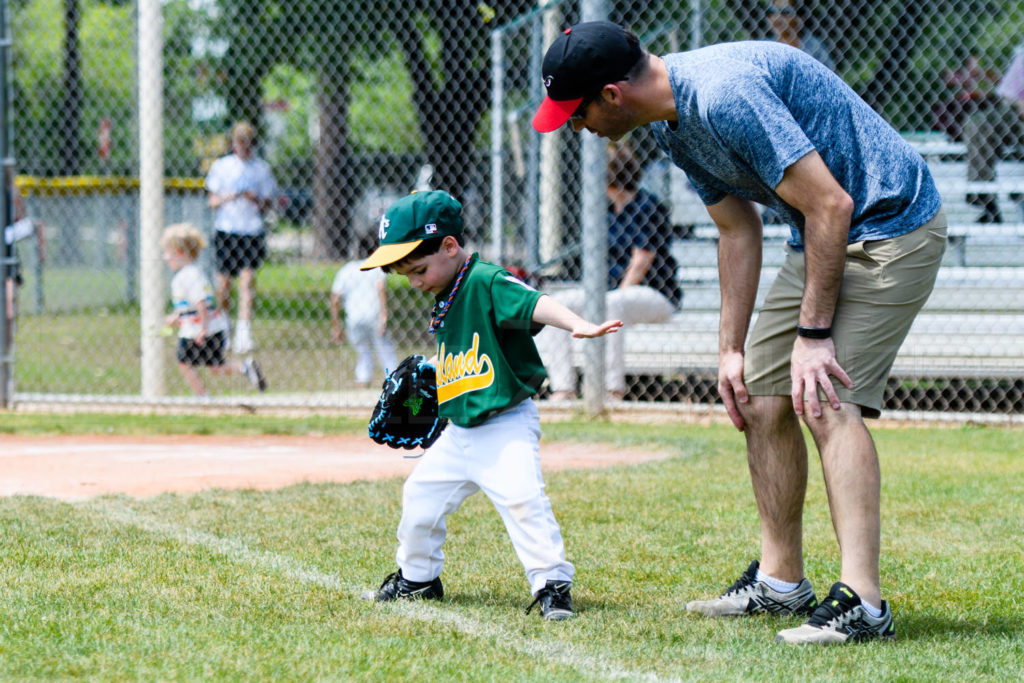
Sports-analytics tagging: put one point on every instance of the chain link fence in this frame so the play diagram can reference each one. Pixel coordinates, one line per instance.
(357, 102)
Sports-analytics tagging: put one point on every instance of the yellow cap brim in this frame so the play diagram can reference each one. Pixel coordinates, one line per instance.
(386, 254)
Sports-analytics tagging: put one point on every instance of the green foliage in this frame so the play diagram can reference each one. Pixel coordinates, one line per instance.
(38, 24)
(290, 142)
(383, 86)
(230, 585)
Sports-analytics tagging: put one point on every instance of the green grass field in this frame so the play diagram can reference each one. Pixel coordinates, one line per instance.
(258, 585)
(81, 347)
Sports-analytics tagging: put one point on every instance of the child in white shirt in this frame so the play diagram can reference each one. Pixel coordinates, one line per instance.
(202, 327)
(364, 293)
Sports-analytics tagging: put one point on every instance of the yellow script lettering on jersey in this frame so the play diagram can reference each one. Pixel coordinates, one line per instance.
(464, 372)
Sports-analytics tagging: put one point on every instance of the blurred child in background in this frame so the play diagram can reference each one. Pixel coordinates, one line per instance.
(364, 293)
(202, 326)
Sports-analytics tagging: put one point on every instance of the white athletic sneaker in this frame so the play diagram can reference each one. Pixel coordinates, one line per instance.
(750, 596)
(242, 341)
(254, 373)
(840, 618)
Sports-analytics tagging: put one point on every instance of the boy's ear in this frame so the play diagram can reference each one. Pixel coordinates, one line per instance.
(450, 245)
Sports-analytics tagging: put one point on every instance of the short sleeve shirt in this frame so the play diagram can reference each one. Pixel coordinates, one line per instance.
(189, 287)
(487, 361)
(643, 224)
(748, 110)
(360, 290)
(232, 175)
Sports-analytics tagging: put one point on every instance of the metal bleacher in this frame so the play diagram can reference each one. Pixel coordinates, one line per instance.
(971, 327)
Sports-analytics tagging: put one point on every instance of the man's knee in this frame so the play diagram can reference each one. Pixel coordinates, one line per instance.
(831, 421)
(766, 412)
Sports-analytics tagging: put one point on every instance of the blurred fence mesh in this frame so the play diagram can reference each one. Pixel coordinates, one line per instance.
(357, 102)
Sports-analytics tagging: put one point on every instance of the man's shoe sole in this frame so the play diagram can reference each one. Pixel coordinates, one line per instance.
(826, 637)
(559, 615)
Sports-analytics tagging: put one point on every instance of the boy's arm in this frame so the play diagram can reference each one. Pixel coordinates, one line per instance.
(550, 312)
(335, 318)
(382, 321)
(204, 315)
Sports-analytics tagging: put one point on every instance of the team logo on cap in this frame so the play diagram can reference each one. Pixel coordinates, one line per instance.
(382, 229)
(547, 81)
(430, 228)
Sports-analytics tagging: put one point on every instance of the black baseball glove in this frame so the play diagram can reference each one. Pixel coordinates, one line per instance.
(406, 412)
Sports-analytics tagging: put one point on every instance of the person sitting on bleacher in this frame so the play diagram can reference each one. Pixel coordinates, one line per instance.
(990, 129)
(641, 278)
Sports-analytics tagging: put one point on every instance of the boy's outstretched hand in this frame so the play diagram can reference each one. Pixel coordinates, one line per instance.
(587, 329)
(551, 312)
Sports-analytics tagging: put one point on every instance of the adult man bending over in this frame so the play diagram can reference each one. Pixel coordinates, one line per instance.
(763, 122)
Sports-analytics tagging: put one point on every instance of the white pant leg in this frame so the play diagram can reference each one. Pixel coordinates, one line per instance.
(555, 345)
(360, 336)
(506, 466)
(631, 305)
(385, 351)
(435, 489)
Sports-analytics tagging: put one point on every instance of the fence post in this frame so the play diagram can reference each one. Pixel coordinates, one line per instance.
(151, 196)
(7, 255)
(595, 245)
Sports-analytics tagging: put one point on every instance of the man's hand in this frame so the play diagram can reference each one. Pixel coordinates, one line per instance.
(812, 362)
(731, 387)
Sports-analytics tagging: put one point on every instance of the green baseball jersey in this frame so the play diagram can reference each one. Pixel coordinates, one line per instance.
(486, 358)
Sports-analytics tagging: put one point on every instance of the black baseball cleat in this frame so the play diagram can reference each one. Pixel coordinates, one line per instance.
(397, 587)
(555, 601)
(841, 618)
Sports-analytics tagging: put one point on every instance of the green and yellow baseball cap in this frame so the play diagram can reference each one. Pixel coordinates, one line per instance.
(409, 221)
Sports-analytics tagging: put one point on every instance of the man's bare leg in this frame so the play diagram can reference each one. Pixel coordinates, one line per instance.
(849, 462)
(777, 457)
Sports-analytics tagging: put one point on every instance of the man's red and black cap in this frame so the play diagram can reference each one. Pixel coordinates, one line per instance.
(584, 59)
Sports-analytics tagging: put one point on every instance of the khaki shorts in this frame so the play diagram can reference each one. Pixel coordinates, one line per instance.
(885, 284)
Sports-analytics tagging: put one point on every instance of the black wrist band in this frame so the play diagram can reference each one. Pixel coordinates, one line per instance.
(813, 332)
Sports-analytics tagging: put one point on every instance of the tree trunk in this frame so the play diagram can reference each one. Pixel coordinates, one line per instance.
(70, 116)
(449, 113)
(334, 183)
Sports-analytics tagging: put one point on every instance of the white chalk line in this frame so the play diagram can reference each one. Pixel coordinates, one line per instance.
(238, 552)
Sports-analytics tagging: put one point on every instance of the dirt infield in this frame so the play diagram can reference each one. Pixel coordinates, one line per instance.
(77, 467)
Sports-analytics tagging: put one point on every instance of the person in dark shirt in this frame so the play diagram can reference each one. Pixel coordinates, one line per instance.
(641, 277)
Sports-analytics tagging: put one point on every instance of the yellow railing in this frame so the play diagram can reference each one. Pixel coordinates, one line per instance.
(94, 185)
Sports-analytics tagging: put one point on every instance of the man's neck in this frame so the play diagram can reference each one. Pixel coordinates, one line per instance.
(659, 96)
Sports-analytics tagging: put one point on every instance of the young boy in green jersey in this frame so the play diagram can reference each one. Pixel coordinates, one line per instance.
(488, 370)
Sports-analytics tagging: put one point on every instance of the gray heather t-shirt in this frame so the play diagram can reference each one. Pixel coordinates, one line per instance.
(748, 110)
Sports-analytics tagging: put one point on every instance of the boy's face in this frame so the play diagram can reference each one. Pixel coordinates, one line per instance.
(435, 272)
(174, 258)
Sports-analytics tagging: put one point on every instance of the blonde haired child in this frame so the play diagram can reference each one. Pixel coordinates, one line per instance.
(202, 327)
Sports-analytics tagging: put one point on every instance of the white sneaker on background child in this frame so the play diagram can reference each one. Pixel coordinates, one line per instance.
(242, 341)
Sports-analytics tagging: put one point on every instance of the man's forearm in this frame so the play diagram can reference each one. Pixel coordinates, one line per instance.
(825, 242)
(739, 270)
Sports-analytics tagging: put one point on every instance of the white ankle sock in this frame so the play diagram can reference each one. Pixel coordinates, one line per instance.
(871, 609)
(775, 584)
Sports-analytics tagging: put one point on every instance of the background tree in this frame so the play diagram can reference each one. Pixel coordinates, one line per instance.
(446, 48)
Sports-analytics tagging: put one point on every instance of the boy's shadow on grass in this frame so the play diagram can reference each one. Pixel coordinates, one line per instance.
(920, 626)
